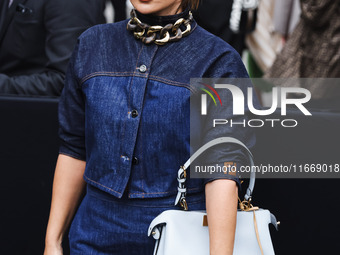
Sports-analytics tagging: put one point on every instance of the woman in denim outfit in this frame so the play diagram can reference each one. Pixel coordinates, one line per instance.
(124, 129)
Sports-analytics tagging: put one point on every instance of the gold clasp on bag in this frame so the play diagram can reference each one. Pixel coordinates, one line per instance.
(246, 205)
(184, 204)
(184, 172)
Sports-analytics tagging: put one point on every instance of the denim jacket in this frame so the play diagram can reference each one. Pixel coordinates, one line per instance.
(125, 106)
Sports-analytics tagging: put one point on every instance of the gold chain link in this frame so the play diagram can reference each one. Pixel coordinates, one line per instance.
(159, 34)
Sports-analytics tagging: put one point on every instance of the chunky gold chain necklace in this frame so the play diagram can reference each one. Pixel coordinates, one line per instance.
(159, 34)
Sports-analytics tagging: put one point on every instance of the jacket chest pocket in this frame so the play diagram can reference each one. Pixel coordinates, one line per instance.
(28, 33)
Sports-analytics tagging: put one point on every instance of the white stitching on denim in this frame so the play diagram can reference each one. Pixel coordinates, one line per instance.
(87, 178)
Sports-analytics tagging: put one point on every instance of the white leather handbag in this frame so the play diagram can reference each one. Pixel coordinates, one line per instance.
(178, 232)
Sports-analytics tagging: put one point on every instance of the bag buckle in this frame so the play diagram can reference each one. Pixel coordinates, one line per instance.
(247, 206)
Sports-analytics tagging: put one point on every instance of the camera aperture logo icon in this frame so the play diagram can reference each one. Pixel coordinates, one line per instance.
(204, 98)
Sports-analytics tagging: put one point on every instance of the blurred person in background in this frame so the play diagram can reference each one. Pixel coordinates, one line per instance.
(313, 50)
(36, 41)
(276, 20)
(216, 16)
(119, 7)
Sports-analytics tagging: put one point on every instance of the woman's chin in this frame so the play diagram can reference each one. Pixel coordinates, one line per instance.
(145, 10)
(144, 6)
(158, 8)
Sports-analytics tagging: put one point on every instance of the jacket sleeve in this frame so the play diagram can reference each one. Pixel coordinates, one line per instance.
(72, 114)
(63, 21)
(230, 67)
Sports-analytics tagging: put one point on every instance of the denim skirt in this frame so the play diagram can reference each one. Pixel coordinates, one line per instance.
(105, 224)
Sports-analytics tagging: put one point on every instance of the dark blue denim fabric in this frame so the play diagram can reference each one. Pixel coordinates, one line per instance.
(132, 125)
(108, 225)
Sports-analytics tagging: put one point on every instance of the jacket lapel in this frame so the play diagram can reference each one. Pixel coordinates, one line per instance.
(3, 11)
(9, 16)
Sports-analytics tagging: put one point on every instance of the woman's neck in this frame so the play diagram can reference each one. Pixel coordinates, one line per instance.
(163, 20)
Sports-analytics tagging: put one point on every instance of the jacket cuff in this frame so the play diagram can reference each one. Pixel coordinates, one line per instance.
(72, 153)
(225, 170)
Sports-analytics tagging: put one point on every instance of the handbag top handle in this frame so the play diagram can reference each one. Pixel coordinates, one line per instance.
(181, 176)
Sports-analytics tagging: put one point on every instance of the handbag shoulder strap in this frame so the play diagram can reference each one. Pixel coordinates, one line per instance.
(181, 175)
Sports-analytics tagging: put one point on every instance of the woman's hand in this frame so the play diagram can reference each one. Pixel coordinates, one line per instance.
(221, 203)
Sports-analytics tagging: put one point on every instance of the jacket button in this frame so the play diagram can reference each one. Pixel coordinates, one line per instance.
(135, 161)
(142, 68)
(134, 113)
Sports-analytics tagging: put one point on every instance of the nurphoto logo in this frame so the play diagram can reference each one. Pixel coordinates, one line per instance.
(280, 100)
